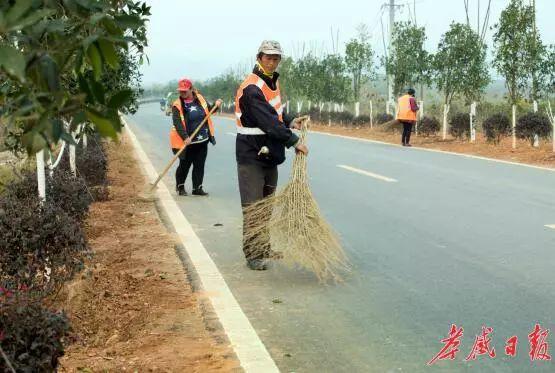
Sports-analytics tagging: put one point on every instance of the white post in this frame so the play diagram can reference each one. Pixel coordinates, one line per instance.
(371, 116)
(445, 112)
(40, 175)
(514, 127)
(357, 109)
(472, 127)
(536, 137)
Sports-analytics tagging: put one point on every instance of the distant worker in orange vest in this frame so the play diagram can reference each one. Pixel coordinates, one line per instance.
(407, 114)
(263, 133)
(188, 111)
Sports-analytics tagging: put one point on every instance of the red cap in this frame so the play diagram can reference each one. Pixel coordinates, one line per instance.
(184, 84)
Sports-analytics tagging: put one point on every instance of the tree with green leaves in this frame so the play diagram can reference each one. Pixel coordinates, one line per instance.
(408, 61)
(520, 55)
(67, 62)
(460, 64)
(359, 60)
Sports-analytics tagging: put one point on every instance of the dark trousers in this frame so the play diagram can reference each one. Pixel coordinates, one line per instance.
(255, 183)
(195, 155)
(407, 128)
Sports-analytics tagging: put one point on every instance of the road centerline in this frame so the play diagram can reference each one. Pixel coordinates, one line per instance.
(367, 173)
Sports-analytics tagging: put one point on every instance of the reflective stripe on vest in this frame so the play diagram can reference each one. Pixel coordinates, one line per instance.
(405, 110)
(272, 97)
(176, 142)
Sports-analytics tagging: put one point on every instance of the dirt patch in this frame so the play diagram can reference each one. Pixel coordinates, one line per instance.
(524, 153)
(132, 308)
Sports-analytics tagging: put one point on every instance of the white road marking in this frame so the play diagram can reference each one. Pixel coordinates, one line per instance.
(248, 347)
(552, 226)
(367, 173)
(231, 133)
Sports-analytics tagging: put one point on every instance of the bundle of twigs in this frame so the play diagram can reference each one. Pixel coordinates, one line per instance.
(296, 227)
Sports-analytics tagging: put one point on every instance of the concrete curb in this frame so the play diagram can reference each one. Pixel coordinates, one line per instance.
(248, 347)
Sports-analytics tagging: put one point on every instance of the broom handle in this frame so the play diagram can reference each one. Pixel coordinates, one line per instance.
(183, 148)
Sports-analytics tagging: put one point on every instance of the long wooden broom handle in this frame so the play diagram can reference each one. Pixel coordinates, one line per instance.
(183, 148)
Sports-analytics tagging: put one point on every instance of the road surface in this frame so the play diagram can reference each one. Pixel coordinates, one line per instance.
(435, 239)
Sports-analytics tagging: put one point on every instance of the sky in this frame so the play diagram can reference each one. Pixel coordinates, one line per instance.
(202, 39)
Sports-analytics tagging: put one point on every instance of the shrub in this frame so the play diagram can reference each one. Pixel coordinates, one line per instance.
(64, 189)
(92, 166)
(382, 118)
(343, 118)
(40, 244)
(496, 126)
(531, 124)
(361, 120)
(428, 126)
(459, 125)
(31, 337)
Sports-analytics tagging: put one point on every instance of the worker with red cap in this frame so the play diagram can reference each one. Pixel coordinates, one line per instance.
(188, 111)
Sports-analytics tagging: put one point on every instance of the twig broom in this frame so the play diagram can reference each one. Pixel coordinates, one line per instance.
(296, 227)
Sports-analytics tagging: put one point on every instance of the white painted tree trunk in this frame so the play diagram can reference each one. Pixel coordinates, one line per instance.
(472, 126)
(85, 143)
(371, 116)
(445, 112)
(357, 109)
(299, 106)
(552, 118)
(536, 137)
(514, 127)
(72, 165)
(41, 177)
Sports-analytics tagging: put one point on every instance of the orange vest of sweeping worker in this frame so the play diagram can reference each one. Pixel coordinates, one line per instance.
(176, 142)
(405, 112)
(272, 97)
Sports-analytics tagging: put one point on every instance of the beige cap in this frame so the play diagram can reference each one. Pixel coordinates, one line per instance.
(270, 47)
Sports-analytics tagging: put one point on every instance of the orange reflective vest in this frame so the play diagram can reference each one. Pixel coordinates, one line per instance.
(176, 142)
(405, 112)
(273, 97)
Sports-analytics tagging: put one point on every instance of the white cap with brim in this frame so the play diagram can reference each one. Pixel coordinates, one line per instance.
(270, 47)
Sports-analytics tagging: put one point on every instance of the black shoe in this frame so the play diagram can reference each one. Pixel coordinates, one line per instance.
(181, 190)
(409, 145)
(257, 264)
(199, 192)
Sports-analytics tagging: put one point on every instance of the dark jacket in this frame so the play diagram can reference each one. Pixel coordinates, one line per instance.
(192, 120)
(257, 112)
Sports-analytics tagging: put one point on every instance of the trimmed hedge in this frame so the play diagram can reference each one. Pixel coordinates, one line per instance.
(41, 246)
(31, 336)
(496, 126)
(531, 124)
(459, 125)
(428, 126)
(63, 189)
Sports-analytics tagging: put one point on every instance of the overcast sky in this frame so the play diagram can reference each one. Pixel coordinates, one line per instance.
(201, 39)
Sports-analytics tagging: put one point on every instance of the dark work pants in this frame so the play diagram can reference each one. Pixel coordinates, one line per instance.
(255, 183)
(407, 128)
(195, 155)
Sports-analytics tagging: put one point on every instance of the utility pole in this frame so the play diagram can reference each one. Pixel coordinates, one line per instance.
(391, 78)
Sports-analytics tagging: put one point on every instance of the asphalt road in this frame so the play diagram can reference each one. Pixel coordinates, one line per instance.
(435, 239)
